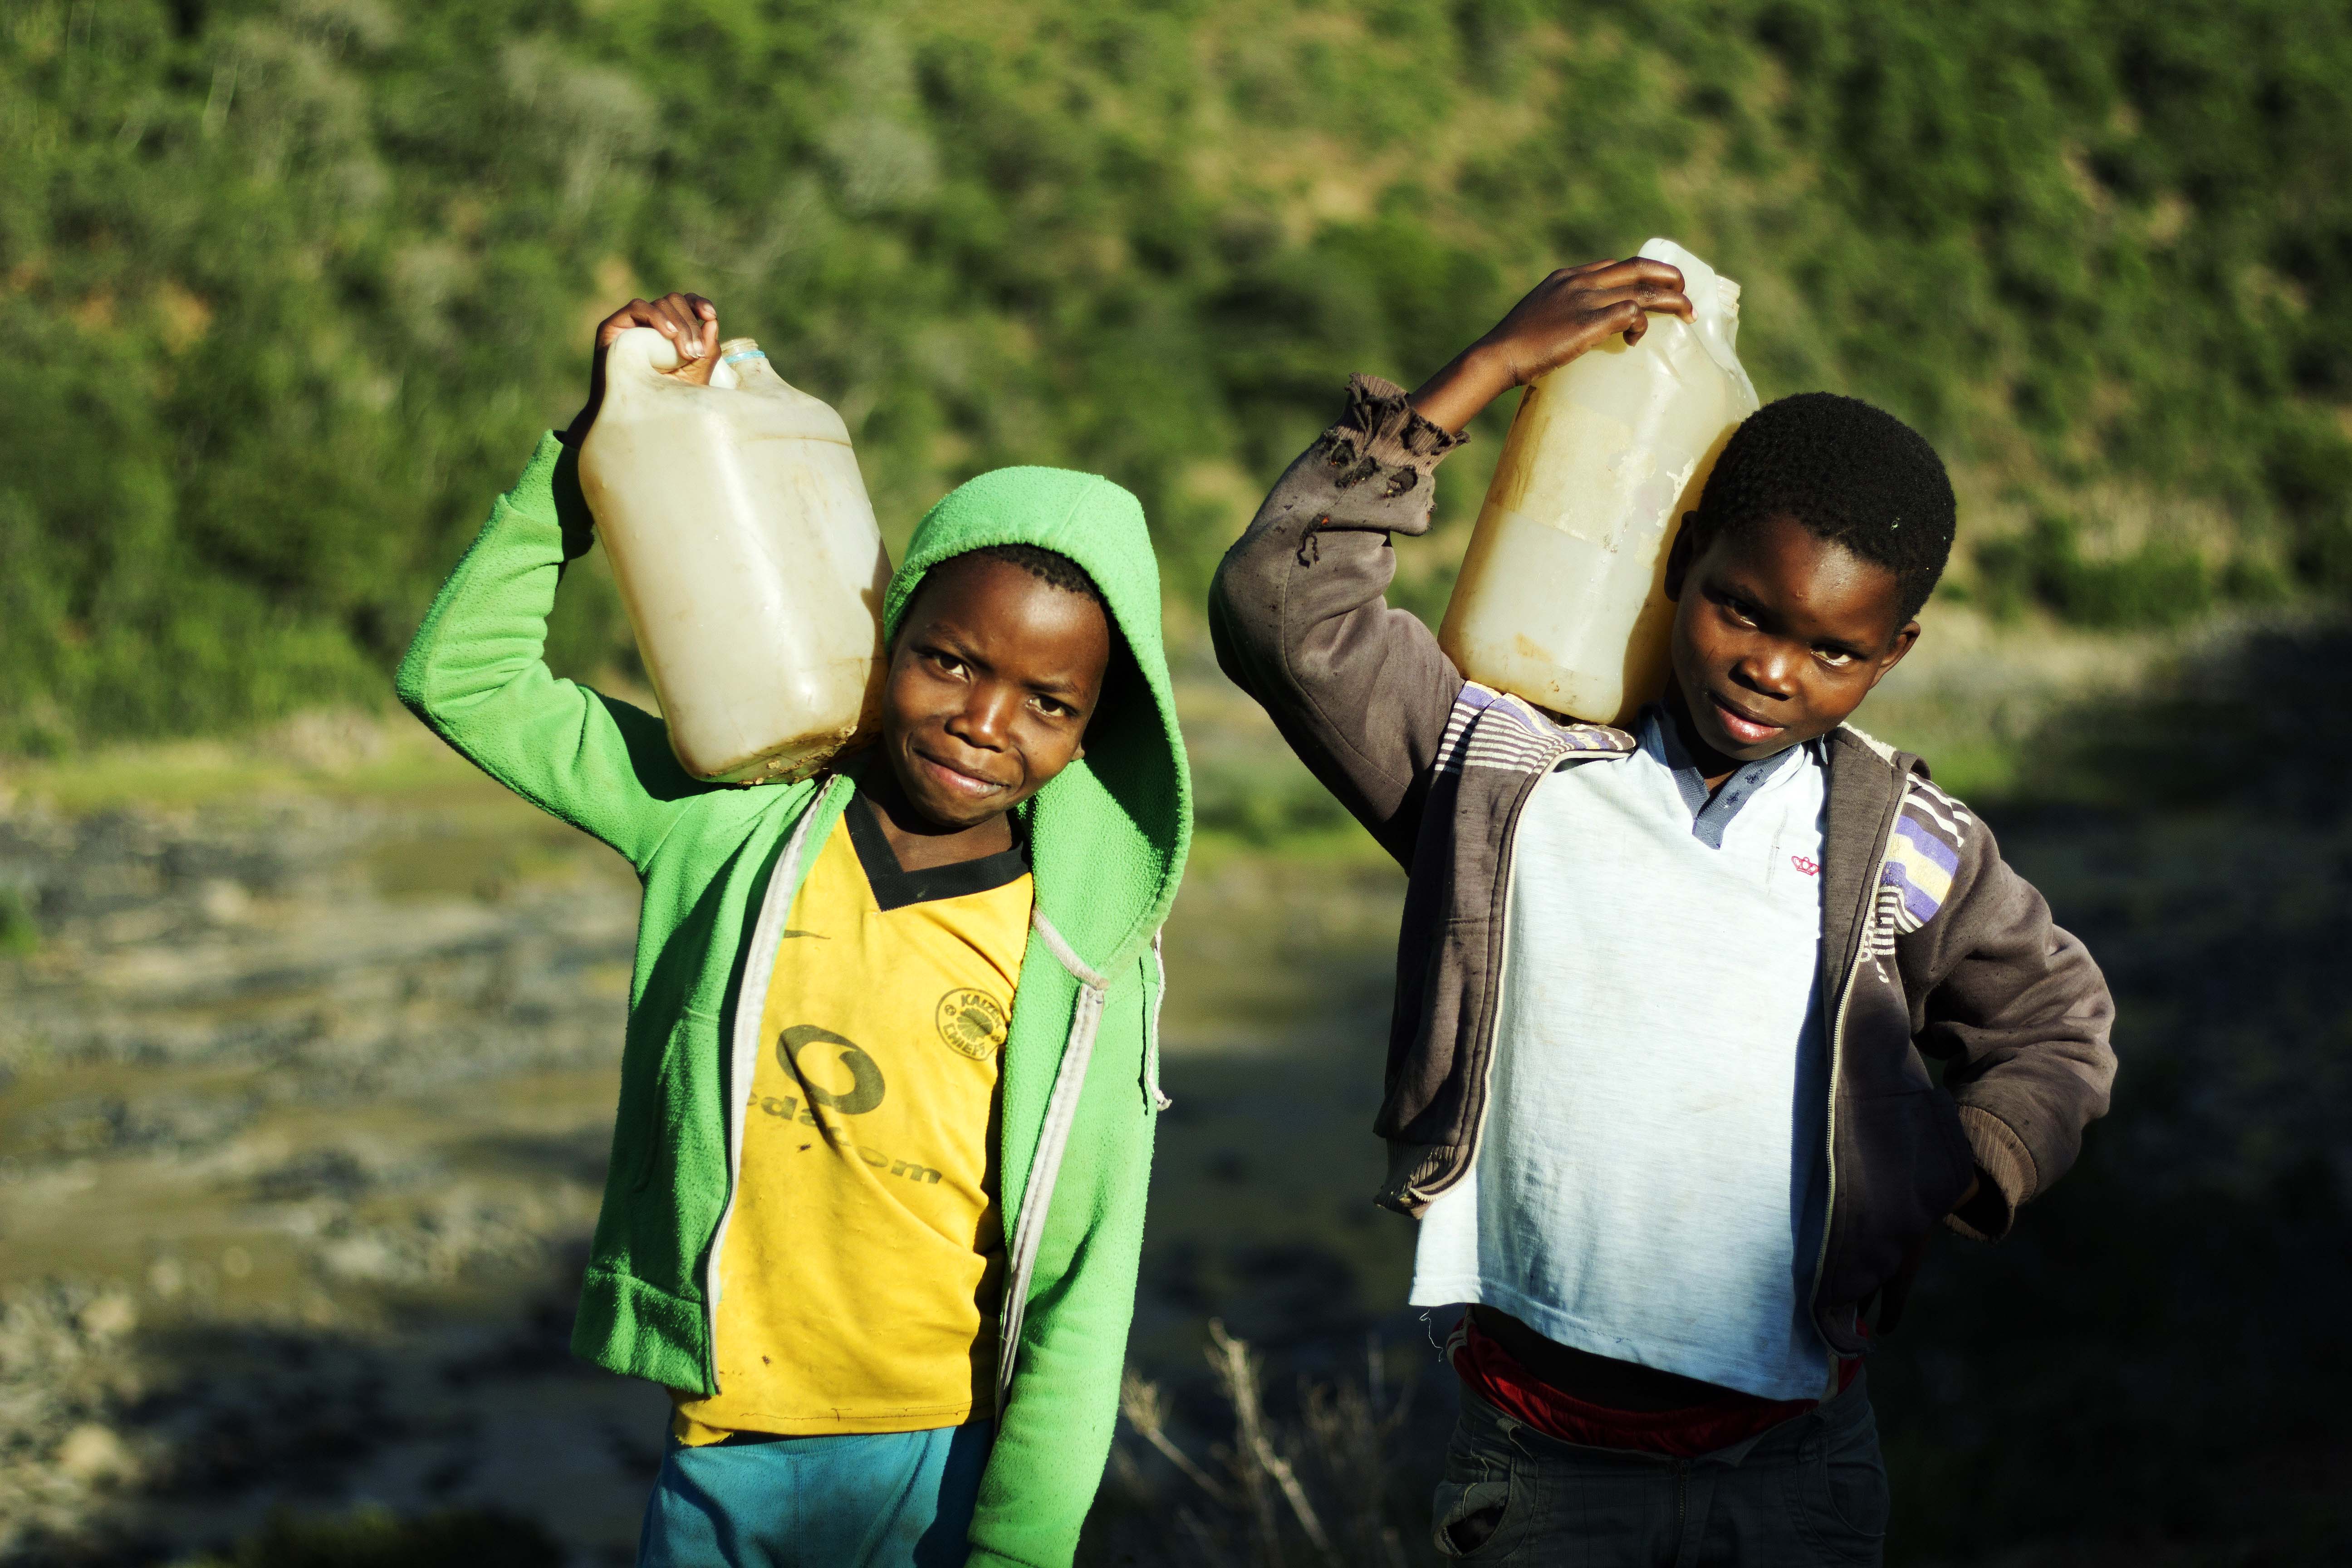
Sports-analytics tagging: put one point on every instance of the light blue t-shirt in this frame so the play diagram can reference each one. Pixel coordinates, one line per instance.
(1650, 1182)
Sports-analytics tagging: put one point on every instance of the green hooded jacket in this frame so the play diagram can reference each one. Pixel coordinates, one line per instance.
(720, 865)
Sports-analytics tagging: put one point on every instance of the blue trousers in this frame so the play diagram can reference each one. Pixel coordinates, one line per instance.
(1810, 1493)
(888, 1499)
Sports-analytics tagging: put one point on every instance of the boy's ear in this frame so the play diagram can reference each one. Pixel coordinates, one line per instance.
(1905, 637)
(1679, 555)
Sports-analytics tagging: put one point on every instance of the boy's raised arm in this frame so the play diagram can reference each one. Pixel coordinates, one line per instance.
(1299, 611)
(475, 672)
(1300, 620)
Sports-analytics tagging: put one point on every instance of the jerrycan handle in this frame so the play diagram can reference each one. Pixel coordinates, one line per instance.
(643, 357)
(1715, 307)
(641, 352)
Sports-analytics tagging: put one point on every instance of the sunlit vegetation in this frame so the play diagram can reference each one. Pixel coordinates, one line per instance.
(287, 288)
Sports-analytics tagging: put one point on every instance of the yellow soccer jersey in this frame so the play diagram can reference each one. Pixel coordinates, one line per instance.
(860, 1271)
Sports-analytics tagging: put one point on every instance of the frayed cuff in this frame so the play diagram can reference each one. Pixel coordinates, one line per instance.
(1393, 429)
(1377, 465)
(1382, 427)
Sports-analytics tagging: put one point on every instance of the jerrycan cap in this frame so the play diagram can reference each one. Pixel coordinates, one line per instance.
(735, 357)
(744, 367)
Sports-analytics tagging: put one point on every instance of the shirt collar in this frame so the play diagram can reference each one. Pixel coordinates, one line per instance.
(1661, 740)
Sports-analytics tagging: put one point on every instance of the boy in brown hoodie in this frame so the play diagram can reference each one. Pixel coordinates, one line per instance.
(1658, 1083)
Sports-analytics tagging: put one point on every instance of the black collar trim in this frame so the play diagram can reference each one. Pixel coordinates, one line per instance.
(895, 886)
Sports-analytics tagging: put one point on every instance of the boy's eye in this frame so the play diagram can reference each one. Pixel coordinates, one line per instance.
(1054, 709)
(948, 663)
(1738, 612)
(1835, 657)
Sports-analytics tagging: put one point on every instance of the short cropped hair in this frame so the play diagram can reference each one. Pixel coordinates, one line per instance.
(1848, 473)
(1056, 570)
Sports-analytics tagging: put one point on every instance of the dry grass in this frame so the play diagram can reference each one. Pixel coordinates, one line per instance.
(1314, 1492)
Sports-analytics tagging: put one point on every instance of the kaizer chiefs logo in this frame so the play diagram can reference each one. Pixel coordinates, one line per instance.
(972, 1022)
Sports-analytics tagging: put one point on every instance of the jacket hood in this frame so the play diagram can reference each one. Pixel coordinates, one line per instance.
(1109, 837)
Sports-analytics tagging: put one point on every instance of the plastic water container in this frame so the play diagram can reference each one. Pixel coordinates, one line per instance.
(1563, 598)
(747, 553)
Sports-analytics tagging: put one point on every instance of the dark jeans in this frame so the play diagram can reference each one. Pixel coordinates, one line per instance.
(1810, 1491)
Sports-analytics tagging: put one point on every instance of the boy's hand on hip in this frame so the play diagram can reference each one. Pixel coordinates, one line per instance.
(1561, 317)
(688, 321)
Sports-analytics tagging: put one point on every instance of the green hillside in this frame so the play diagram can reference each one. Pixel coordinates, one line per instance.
(287, 289)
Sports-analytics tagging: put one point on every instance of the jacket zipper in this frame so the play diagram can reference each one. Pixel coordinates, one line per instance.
(1023, 1239)
(1829, 1199)
(1502, 968)
(1151, 1090)
(775, 904)
(1837, 1046)
(1502, 965)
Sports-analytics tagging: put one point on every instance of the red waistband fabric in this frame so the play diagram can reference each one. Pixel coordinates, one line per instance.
(1496, 1376)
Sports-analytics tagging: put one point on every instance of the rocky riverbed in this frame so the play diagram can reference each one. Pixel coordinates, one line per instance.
(306, 1109)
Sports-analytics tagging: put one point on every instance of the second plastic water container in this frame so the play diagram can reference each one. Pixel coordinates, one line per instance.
(747, 553)
(1561, 597)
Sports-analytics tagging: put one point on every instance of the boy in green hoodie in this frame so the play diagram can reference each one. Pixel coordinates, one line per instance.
(891, 1072)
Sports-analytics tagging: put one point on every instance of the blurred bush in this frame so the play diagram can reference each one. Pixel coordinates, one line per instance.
(1258, 799)
(19, 932)
(290, 285)
(2160, 583)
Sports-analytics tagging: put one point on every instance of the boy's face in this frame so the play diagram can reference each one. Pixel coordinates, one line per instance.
(1778, 634)
(992, 678)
